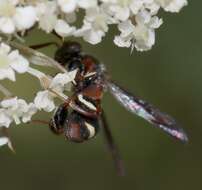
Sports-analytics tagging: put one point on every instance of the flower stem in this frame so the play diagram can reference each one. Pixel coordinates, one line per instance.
(36, 73)
(5, 91)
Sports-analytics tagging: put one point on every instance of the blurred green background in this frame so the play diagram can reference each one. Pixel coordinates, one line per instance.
(169, 76)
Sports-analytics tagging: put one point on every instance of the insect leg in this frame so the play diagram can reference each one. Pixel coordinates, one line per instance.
(112, 146)
(37, 121)
(43, 45)
(71, 102)
(53, 126)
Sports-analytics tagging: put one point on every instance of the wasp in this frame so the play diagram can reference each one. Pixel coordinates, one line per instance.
(82, 122)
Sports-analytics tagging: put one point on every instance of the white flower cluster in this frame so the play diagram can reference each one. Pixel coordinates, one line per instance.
(14, 109)
(17, 110)
(136, 19)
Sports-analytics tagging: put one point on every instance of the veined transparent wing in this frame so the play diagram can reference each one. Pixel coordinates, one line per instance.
(147, 111)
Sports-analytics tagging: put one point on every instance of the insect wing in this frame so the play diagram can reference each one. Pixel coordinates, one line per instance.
(147, 111)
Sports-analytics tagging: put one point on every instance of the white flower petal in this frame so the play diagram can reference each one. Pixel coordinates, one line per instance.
(155, 22)
(60, 80)
(31, 110)
(136, 5)
(6, 25)
(25, 17)
(46, 10)
(7, 73)
(122, 42)
(121, 13)
(18, 62)
(63, 29)
(126, 28)
(86, 4)
(4, 141)
(15, 109)
(9, 102)
(94, 37)
(67, 6)
(5, 119)
(44, 100)
(4, 49)
(172, 5)
(89, 35)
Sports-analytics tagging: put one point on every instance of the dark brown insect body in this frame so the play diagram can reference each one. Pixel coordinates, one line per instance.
(81, 122)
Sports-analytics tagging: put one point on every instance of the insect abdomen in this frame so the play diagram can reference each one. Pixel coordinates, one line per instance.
(57, 122)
